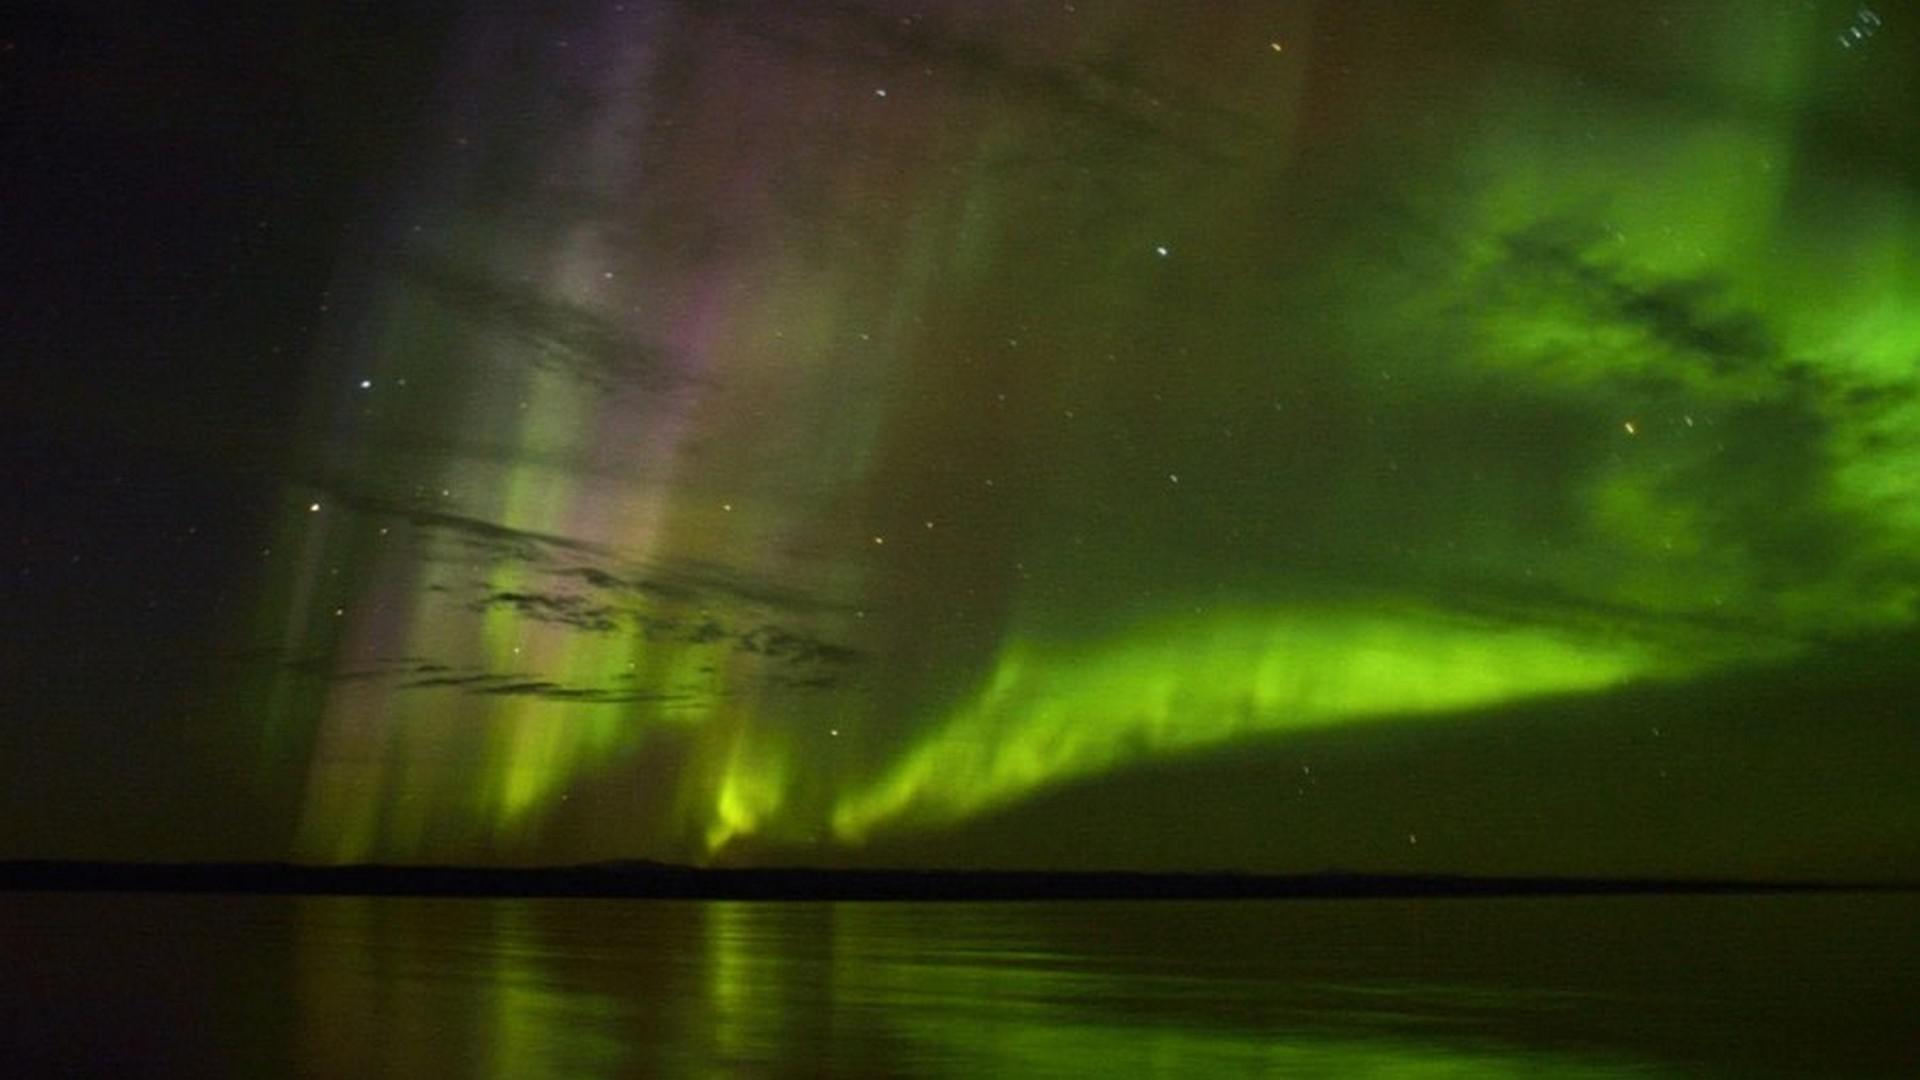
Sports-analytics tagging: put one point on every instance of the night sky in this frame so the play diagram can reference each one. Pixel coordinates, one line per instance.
(1476, 437)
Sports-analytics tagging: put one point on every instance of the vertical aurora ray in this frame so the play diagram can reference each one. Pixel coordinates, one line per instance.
(610, 476)
(766, 429)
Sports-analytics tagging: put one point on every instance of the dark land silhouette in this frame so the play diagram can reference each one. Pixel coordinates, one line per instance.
(643, 879)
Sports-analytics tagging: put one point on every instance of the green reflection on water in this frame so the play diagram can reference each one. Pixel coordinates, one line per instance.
(410, 987)
(541, 1025)
(405, 987)
(418, 988)
(586, 988)
(1040, 1007)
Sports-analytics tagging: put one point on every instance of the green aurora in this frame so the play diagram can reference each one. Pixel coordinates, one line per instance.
(757, 432)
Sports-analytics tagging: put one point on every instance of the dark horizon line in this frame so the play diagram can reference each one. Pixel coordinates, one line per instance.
(645, 879)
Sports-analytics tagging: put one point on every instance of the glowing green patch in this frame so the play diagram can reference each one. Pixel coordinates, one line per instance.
(1049, 715)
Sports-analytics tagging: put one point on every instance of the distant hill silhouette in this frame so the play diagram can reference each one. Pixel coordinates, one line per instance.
(646, 879)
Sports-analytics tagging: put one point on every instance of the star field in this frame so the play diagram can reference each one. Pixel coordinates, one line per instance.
(1013, 434)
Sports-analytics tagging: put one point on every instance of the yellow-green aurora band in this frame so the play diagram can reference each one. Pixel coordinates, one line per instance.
(800, 431)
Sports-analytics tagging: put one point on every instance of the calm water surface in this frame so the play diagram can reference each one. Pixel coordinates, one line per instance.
(265, 986)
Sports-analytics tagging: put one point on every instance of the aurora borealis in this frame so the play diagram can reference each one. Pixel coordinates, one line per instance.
(1462, 437)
